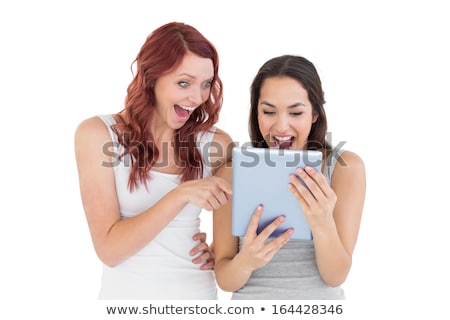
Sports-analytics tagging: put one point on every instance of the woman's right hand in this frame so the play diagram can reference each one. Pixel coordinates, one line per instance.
(209, 194)
(255, 251)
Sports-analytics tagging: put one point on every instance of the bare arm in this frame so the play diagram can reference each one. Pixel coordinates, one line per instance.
(334, 214)
(219, 153)
(220, 150)
(115, 239)
(229, 275)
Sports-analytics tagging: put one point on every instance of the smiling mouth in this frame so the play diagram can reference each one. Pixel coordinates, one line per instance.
(183, 112)
(284, 142)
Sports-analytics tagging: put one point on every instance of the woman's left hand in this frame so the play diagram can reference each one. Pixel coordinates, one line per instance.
(318, 202)
(207, 255)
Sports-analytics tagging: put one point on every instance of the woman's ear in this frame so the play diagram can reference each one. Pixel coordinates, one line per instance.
(315, 117)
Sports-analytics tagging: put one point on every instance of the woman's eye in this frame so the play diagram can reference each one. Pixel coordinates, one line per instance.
(269, 113)
(183, 84)
(296, 114)
(207, 85)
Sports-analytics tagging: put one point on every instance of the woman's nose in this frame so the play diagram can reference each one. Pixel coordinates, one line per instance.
(282, 123)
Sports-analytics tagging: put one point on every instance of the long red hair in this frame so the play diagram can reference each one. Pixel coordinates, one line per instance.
(162, 52)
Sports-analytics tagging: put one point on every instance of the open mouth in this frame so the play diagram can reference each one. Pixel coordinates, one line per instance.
(283, 142)
(183, 112)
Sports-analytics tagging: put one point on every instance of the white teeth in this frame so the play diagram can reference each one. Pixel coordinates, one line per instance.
(280, 140)
(187, 108)
(283, 138)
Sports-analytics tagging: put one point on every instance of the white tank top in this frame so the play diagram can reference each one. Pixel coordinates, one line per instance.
(163, 269)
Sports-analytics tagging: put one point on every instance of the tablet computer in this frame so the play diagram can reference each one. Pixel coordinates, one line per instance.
(261, 176)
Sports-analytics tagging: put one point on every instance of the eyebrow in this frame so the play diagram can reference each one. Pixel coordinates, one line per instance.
(193, 77)
(298, 104)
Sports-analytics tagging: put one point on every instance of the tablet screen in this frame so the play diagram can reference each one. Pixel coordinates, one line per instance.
(261, 176)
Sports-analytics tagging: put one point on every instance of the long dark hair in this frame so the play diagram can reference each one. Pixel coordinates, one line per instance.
(302, 70)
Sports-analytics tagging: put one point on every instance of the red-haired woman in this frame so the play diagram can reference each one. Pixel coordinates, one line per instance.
(147, 172)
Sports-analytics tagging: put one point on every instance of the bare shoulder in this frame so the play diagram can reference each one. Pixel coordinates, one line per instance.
(221, 149)
(91, 131)
(91, 136)
(222, 137)
(91, 127)
(349, 166)
(350, 160)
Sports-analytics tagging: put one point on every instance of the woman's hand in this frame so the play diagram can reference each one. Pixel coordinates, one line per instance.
(209, 193)
(207, 255)
(256, 251)
(315, 196)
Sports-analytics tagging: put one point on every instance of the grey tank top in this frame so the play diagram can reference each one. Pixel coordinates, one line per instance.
(292, 274)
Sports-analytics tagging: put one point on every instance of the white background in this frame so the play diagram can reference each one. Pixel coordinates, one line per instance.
(385, 71)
